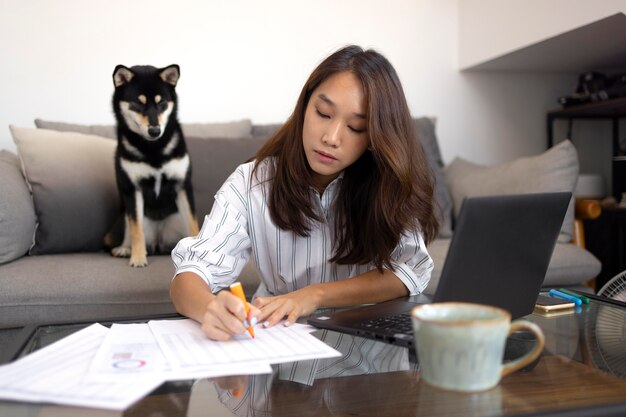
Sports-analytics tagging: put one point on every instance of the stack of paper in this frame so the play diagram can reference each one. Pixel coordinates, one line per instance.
(113, 368)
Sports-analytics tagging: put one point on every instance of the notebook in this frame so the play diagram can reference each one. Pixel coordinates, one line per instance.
(499, 255)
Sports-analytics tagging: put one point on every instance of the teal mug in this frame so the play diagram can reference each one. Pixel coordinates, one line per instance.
(460, 346)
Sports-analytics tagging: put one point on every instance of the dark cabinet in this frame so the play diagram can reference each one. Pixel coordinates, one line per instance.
(605, 236)
(612, 110)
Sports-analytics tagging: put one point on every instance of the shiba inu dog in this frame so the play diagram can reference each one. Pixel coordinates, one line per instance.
(152, 166)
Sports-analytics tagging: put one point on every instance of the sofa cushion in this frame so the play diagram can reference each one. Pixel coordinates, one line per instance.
(428, 139)
(88, 286)
(235, 129)
(72, 179)
(569, 265)
(82, 286)
(17, 213)
(554, 170)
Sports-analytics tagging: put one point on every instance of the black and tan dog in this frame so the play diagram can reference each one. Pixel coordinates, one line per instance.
(152, 166)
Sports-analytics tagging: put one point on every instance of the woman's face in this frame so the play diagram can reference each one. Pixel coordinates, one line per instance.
(335, 127)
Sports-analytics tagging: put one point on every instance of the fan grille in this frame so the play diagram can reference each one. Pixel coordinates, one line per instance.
(606, 332)
(615, 288)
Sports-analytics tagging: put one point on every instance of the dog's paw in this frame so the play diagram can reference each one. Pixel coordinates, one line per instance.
(121, 252)
(138, 262)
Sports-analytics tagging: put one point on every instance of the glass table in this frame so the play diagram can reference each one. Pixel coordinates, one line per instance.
(582, 372)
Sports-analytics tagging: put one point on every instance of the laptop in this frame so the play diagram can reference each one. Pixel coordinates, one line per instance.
(499, 255)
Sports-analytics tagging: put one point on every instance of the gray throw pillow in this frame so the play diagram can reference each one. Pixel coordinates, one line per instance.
(552, 171)
(224, 130)
(265, 131)
(72, 179)
(235, 129)
(428, 139)
(17, 214)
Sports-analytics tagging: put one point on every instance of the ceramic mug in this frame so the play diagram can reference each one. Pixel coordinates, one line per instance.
(460, 346)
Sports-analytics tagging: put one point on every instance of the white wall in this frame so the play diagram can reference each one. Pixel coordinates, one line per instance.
(525, 22)
(489, 29)
(248, 59)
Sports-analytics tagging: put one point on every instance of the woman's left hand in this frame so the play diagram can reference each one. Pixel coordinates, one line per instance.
(293, 305)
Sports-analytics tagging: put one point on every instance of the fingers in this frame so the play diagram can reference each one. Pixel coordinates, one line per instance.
(225, 316)
(261, 302)
(265, 308)
(215, 332)
(275, 309)
(254, 312)
(292, 318)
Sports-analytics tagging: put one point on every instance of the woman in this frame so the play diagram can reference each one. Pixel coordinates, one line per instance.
(336, 208)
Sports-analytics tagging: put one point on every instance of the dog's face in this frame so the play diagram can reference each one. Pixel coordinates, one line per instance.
(145, 98)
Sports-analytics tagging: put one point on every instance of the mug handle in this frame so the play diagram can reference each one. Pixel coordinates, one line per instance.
(530, 356)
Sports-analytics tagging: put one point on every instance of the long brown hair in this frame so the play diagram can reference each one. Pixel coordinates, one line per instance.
(386, 192)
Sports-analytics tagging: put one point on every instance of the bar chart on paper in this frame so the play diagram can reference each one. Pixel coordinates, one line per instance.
(185, 346)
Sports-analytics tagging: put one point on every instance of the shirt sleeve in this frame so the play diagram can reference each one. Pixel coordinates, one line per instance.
(411, 262)
(222, 248)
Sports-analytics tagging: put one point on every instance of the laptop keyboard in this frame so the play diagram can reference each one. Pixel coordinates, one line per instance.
(399, 323)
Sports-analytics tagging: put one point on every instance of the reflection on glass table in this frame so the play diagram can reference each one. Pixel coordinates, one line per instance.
(581, 370)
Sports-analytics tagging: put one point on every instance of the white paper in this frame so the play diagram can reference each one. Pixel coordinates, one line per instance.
(113, 368)
(55, 374)
(130, 351)
(186, 347)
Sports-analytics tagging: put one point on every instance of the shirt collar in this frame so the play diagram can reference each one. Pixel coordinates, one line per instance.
(332, 186)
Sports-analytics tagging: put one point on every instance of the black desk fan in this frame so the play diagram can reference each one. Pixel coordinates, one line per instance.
(606, 330)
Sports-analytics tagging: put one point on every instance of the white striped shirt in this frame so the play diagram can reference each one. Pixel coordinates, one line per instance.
(240, 225)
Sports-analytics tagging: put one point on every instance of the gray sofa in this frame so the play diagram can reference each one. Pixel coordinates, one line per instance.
(52, 268)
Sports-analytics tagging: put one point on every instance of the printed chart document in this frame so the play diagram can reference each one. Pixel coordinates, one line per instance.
(113, 368)
(131, 351)
(55, 374)
(186, 347)
(128, 351)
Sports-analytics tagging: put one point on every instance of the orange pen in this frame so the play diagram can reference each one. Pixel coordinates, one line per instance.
(237, 290)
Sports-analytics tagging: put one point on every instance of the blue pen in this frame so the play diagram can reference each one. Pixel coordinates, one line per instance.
(559, 294)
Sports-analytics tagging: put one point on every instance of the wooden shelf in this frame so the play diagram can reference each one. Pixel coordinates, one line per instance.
(599, 109)
(612, 110)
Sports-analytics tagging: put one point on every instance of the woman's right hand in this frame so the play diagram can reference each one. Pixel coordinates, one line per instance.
(225, 315)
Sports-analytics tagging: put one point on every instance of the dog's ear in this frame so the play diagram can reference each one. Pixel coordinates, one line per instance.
(122, 75)
(170, 74)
